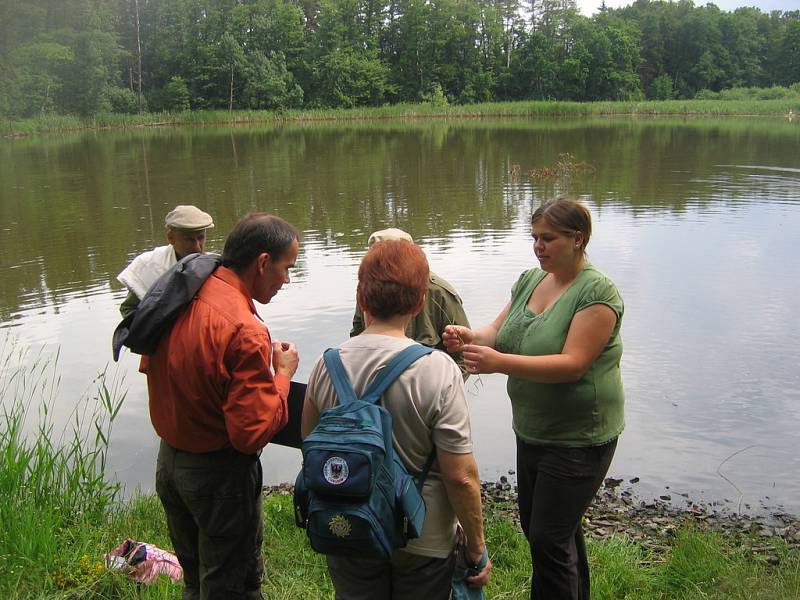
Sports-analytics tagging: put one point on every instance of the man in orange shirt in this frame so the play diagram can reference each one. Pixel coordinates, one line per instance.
(218, 387)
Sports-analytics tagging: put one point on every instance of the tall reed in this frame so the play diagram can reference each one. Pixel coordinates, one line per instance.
(52, 483)
(780, 106)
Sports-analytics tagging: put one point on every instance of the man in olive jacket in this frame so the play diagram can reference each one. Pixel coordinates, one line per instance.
(442, 306)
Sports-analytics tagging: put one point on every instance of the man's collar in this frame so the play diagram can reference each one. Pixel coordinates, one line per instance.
(232, 279)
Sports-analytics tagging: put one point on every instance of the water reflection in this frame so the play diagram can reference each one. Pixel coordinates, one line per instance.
(695, 220)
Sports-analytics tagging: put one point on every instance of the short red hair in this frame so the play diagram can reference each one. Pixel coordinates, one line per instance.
(392, 279)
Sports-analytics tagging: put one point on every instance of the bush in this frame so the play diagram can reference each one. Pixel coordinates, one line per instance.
(661, 88)
(751, 93)
(173, 97)
(122, 100)
(347, 79)
(707, 95)
(435, 95)
(633, 95)
(268, 84)
(774, 93)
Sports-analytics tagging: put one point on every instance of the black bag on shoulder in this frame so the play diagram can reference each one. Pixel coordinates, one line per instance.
(142, 329)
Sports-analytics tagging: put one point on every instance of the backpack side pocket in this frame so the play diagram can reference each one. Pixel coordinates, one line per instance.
(410, 503)
(300, 500)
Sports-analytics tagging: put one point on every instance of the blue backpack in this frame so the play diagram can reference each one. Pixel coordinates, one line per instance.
(354, 496)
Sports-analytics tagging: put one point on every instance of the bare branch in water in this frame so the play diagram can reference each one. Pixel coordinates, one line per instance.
(719, 472)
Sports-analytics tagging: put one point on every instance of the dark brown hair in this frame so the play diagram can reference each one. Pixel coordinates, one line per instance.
(256, 233)
(567, 215)
(392, 278)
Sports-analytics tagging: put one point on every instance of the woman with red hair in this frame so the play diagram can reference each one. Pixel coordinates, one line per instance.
(429, 410)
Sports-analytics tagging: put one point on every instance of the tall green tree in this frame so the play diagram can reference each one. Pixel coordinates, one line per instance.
(788, 53)
(34, 77)
(88, 56)
(453, 52)
(534, 72)
(58, 56)
(266, 41)
(344, 54)
(744, 45)
(267, 83)
(406, 49)
(614, 59)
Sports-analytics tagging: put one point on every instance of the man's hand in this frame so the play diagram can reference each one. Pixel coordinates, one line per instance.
(284, 358)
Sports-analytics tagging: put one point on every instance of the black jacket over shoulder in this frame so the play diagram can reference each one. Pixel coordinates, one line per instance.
(142, 329)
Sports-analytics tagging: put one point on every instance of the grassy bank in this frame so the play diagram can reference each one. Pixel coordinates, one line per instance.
(697, 565)
(59, 514)
(538, 109)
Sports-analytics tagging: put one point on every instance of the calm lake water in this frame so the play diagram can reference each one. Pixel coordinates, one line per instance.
(696, 221)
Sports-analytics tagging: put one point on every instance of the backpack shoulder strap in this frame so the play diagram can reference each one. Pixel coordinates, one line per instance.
(393, 370)
(341, 382)
(401, 361)
(419, 480)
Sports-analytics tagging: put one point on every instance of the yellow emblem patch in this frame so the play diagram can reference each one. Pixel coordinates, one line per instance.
(340, 526)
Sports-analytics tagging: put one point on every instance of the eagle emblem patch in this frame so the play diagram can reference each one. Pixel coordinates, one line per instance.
(335, 470)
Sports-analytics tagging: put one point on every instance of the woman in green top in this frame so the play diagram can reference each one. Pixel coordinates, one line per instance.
(558, 341)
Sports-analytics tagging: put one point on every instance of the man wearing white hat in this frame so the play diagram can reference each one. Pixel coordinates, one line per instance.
(442, 306)
(186, 233)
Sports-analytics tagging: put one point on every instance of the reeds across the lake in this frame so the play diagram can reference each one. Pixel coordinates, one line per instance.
(775, 107)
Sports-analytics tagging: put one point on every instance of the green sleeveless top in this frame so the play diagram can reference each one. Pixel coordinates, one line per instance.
(587, 412)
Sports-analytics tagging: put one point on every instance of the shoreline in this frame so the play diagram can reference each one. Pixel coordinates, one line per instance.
(618, 510)
(782, 108)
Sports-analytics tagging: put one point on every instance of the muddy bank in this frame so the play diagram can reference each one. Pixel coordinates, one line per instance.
(617, 509)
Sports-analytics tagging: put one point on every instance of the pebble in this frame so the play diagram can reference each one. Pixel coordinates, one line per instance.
(652, 523)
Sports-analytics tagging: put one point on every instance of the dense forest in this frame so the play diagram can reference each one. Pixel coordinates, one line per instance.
(86, 57)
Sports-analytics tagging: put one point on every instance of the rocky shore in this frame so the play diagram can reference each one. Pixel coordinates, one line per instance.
(617, 509)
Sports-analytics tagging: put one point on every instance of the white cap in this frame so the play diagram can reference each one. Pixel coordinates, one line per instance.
(389, 234)
(188, 217)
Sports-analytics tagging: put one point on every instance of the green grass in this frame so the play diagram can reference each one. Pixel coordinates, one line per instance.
(52, 484)
(59, 514)
(526, 109)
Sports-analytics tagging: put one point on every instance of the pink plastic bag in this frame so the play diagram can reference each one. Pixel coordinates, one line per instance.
(144, 562)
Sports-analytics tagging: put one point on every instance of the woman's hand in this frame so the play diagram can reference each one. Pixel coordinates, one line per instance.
(480, 359)
(455, 336)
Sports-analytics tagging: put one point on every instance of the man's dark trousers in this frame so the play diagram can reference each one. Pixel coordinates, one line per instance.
(214, 512)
